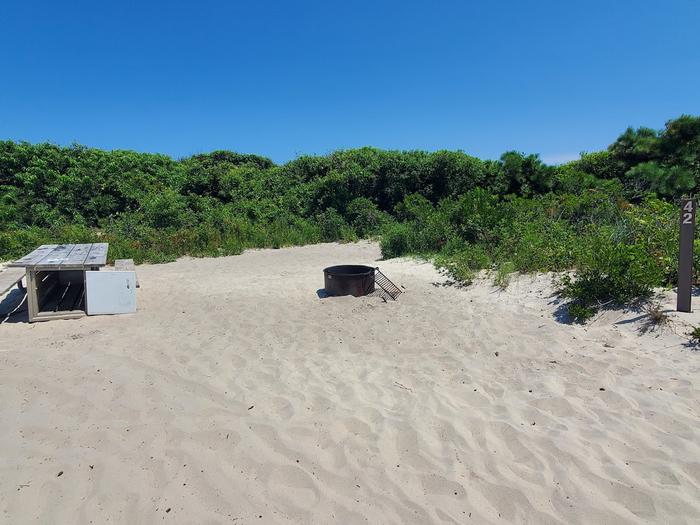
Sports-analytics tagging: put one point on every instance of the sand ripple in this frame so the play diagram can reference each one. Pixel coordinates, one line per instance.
(236, 395)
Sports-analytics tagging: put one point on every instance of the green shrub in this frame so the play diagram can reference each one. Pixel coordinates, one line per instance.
(395, 240)
(457, 269)
(462, 263)
(580, 312)
(166, 209)
(17, 242)
(503, 274)
(694, 335)
(365, 217)
(610, 274)
(474, 215)
(331, 224)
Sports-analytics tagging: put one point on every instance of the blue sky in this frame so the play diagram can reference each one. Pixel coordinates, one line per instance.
(282, 78)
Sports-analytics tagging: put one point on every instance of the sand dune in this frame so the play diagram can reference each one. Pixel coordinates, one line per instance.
(237, 395)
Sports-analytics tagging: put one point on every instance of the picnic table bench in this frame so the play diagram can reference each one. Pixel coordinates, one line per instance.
(9, 277)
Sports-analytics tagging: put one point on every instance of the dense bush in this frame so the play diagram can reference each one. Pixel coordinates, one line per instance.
(365, 217)
(610, 272)
(331, 224)
(619, 251)
(609, 215)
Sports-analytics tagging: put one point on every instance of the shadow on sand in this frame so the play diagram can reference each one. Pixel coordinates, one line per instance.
(13, 307)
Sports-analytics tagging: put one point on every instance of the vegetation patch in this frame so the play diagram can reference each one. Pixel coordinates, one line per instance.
(609, 216)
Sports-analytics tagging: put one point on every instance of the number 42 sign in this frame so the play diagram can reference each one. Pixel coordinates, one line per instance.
(688, 212)
(685, 255)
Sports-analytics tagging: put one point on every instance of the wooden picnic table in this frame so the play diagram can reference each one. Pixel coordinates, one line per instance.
(55, 276)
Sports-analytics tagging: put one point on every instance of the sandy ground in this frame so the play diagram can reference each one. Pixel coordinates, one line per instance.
(237, 395)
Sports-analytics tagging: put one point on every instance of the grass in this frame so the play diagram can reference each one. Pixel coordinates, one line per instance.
(503, 274)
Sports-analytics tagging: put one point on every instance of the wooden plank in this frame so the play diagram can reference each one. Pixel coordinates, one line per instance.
(97, 255)
(65, 256)
(32, 306)
(54, 259)
(32, 258)
(124, 265)
(51, 316)
(9, 278)
(77, 257)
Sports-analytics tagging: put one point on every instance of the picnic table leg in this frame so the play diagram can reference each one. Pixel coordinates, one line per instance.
(32, 300)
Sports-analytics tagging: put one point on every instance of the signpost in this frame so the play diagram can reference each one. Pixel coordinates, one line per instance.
(685, 256)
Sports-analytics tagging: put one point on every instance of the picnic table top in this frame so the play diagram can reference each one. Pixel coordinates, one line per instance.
(64, 257)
